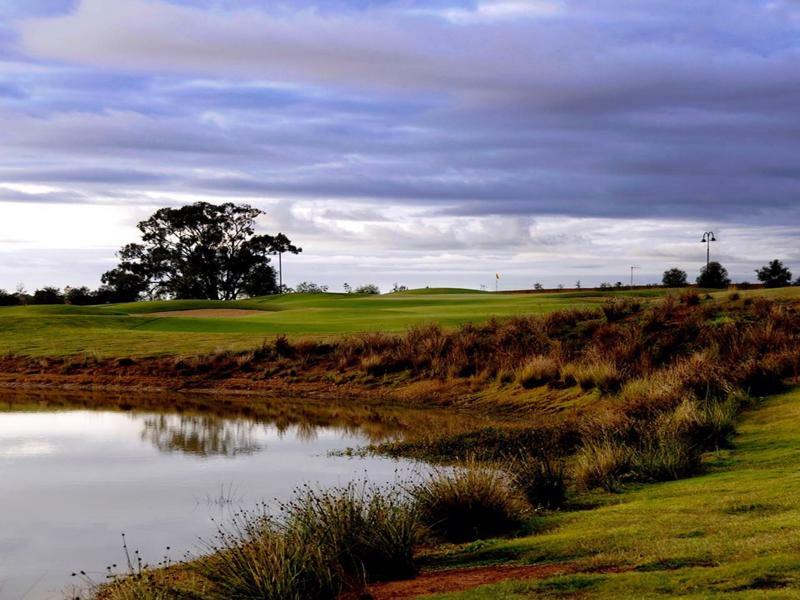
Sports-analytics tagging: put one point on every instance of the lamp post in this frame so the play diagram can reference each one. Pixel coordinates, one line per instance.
(708, 237)
(632, 268)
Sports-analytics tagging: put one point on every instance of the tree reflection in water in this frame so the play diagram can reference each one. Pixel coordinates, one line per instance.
(206, 435)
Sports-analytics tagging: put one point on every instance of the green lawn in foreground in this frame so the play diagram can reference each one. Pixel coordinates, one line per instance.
(733, 532)
(132, 329)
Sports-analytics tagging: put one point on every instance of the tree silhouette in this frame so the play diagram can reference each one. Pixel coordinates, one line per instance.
(48, 295)
(200, 250)
(674, 278)
(713, 276)
(774, 275)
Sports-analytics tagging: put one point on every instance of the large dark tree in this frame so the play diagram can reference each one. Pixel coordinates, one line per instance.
(674, 278)
(7, 299)
(774, 275)
(201, 250)
(713, 276)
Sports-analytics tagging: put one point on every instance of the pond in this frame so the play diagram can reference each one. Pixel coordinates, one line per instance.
(78, 472)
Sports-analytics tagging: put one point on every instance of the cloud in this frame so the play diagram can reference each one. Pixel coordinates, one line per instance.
(454, 133)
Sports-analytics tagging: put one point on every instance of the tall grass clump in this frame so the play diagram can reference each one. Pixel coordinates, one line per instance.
(600, 374)
(317, 545)
(665, 452)
(468, 502)
(541, 479)
(138, 580)
(254, 558)
(603, 463)
(137, 587)
(372, 532)
(537, 371)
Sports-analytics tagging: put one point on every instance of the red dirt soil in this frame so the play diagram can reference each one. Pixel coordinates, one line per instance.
(455, 580)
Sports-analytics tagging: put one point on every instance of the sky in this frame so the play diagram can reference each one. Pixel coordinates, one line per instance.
(418, 142)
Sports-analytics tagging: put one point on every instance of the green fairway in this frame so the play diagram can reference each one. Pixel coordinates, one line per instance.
(146, 328)
(729, 533)
(133, 329)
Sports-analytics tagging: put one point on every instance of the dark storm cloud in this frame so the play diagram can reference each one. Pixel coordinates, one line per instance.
(610, 109)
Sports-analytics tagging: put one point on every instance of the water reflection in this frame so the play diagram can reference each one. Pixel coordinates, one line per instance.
(78, 469)
(200, 435)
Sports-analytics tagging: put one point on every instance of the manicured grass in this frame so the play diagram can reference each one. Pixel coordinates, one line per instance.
(132, 330)
(731, 532)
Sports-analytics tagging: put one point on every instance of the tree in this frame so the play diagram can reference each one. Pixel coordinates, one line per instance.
(605, 286)
(774, 275)
(200, 250)
(280, 245)
(7, 299)
(347, 288)
(399, 288)
(713, 276)
(538, 286)
(48, 295)
(369, 288)
(578, 284)
(309, 287)
(79, 296)
(127, 283)
(23, 297)
(674, 278)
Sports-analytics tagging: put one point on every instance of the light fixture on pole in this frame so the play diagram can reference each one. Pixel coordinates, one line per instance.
(632, 268)
(708, 237)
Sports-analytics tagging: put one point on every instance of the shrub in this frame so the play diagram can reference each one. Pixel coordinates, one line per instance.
(690, 298)
(309, 287)
(369, 288)
(537, 371)
(616, 309)
(603, 463)
(541, 480)
(467, 503)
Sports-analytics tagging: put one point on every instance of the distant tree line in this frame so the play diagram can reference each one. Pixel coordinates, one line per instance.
(78, 296)
(715, 276)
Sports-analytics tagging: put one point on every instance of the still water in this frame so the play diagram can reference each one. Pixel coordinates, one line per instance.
(73, 479)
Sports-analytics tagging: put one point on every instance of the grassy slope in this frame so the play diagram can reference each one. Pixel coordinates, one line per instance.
(129, 329)
(731, 532)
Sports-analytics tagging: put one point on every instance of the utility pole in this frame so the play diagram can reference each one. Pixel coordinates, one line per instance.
(632, 268)
(708, 237)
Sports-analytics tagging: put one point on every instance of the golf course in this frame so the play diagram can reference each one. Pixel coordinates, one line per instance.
(195, 326)
(575, 444)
